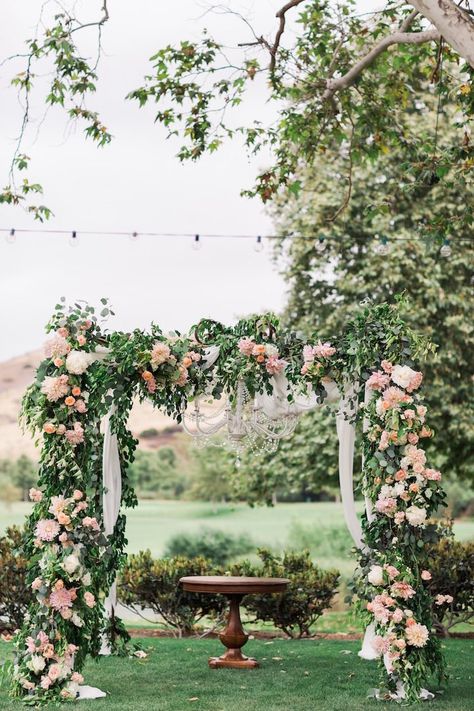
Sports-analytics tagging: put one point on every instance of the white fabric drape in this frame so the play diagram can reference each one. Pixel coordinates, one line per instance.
(112, 482)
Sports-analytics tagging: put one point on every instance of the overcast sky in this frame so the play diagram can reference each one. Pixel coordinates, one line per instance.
(134, 184)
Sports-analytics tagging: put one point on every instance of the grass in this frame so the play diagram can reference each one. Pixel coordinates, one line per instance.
(319, 525)
(297, 675)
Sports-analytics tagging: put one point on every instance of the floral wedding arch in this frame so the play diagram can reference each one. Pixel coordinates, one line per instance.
(90, 375)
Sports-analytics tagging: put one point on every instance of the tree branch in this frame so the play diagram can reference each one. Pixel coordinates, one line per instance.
(281, 14)
(452, 22)
(335, 85)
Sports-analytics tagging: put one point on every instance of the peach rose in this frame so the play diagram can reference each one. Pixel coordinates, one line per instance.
(146, 375)
(81, 339)
(76, 391)
(187, 361)
(49, 428)
(58, 362)
(69, 401)
(61, 429)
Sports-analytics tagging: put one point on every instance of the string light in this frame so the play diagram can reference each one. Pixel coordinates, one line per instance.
(445, 250)
(10, 238)
(321, 244)
(73, 239)
(383, 247)
(382, 243)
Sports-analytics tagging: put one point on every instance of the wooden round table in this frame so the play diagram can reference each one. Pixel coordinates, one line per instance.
(234, 588)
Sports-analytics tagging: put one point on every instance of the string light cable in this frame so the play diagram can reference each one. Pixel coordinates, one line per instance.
(11, 235)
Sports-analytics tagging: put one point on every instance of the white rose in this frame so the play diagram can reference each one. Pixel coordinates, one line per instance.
(86, 579)
(375, 576)
(271, 350)
(71, 563)
(77, 362)
(36, 663)
(402, 375)
(72, 687)
(416, 516)
(379, 408)
(76, 620)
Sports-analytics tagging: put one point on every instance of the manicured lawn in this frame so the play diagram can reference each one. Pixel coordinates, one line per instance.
(297, 675)
(152, 523)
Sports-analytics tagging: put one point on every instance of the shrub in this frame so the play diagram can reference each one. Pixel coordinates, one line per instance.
(152, 583)
(218, 547)
(452, 570)
(15, 594)
(322, 541)
(309, 593)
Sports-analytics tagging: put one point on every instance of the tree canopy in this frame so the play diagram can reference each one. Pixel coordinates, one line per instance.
(341, 78)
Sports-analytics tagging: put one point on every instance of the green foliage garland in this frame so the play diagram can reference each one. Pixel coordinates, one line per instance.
(72, 564)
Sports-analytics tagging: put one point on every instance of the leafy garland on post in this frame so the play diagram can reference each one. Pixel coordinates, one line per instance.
(86, 370)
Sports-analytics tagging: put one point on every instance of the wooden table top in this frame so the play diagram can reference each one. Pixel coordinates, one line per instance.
(228, 584)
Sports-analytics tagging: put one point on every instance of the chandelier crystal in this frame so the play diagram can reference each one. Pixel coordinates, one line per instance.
(243, 422)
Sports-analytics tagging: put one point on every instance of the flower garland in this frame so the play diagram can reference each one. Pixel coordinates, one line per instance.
(86, 370)
(404, 493)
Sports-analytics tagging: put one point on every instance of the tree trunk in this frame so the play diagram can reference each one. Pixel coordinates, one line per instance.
(454, 24)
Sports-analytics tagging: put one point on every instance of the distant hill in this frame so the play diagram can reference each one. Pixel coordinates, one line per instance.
(15, 376)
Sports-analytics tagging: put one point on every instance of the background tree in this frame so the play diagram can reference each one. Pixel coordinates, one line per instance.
(331, 275)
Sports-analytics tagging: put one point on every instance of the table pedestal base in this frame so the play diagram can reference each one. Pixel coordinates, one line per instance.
(234, 638)
(233, 659)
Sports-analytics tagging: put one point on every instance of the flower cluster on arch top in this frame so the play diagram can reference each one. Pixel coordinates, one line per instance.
(86, 369)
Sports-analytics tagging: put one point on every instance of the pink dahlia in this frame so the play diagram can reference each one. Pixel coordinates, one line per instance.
(55, 388)
(393, 396)
(56, 346)
(62, 598)
(417, 635)
(378, 381)
(47, 529)
(159, 354)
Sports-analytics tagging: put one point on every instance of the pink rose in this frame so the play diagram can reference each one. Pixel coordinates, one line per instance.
(35, 495)
(80, 406)
(387, 367)
(91, 523)
(426, 575)
(245, 346)
(77, 494)
(54, 671)
(89, 599)
(432, 474)
(36, 584)
(275, 365)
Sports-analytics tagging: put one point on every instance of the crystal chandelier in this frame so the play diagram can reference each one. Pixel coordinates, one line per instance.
(244, 422)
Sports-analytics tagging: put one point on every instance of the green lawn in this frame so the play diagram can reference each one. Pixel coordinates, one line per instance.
(152, 523)
(297, 675)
